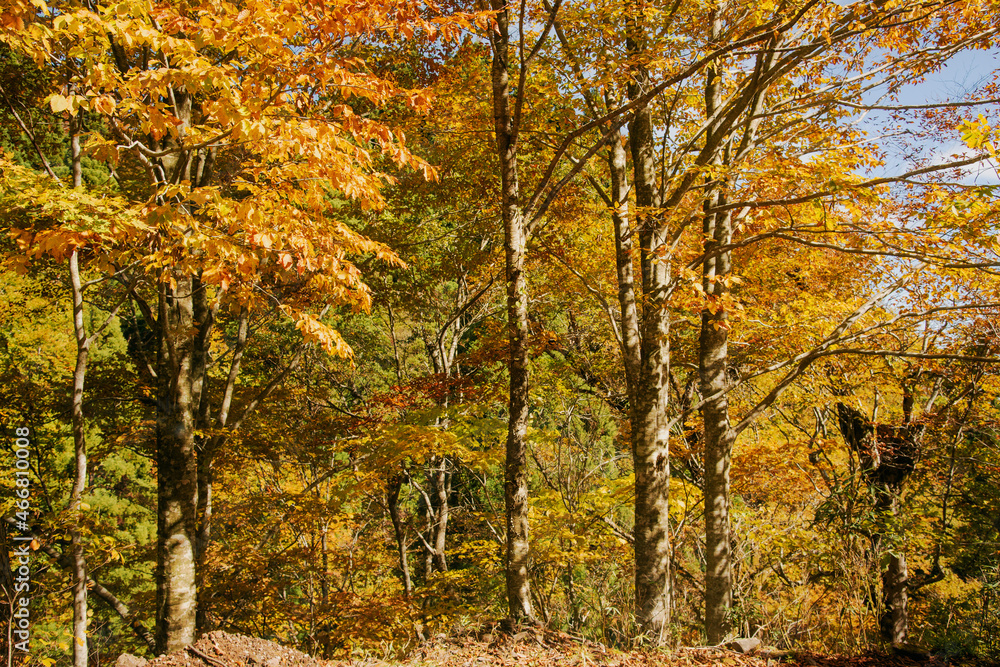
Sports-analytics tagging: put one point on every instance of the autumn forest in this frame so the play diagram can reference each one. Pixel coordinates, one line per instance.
(346, 324)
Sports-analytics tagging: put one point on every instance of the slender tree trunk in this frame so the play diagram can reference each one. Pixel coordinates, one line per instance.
(206, 480)
(515, 470)
(647, 359)
(631, 346)
(719, 438)
(652, 475)
(206, 459)
(437, 512)
(392, 500)
(428, 547)
(713, 360)
(440, 486)
(177, 468)
(77, 164)
(6, 593)
(324, 578)
(77, 557)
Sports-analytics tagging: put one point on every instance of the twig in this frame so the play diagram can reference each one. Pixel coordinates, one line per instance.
(207, 658)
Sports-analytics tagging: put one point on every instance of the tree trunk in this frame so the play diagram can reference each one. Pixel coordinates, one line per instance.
(888, 456)
(428, 547)
(437, 511)
(719, 438)
(392, 501)
(650, 436)
(894, 622)
(646, 354)
(713, 362)
(652, 482)
(515, 470)
(177, 466)
(894, 616)
(441, 487)
(631, 346)
(6, 592)
(77, 557)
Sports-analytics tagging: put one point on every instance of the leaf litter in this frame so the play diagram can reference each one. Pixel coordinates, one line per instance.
(533, 647)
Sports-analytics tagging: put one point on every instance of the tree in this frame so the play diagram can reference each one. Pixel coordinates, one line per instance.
(750, 115)
(50, 207)
(763, 89)
(515, 244)
(257, 173)
(243, 137)
(888, 456)
(519, 214)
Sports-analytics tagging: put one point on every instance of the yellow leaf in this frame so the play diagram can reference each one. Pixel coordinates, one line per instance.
(59, 103)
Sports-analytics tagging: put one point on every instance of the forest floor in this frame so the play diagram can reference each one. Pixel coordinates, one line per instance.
(531, 648)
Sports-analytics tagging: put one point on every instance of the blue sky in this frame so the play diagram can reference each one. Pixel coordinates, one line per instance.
(963, 76)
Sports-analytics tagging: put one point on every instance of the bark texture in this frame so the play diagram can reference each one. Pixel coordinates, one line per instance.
(77, 557)
(713, 362)
(180, 370)
(395, 514)
(515, 469)
(650, 387)
(6, 585)
(83, 343)
(441, 485)
(624, 244)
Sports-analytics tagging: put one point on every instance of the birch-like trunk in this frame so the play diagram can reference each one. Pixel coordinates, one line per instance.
(77, 557)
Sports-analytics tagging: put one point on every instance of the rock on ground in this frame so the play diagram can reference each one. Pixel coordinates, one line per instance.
(748, 645)
(129, 660)
(221, 649)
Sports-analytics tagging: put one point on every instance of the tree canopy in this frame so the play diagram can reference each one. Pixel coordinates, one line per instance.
(347, 323)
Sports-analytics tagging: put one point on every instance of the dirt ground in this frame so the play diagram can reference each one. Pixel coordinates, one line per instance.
(530, 648)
